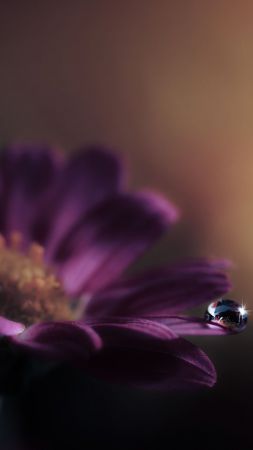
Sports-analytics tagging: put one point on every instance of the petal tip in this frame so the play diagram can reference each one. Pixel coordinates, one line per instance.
(10, 328)
(160, 204)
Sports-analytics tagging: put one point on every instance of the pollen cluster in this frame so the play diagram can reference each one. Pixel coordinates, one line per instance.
(29, 290)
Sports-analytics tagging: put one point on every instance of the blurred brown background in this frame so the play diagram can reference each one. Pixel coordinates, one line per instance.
(166, 83)
(169, 85)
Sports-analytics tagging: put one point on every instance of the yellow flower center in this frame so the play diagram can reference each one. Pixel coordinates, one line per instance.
(29, 290)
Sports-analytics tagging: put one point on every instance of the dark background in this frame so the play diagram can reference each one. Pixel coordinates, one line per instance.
(168, 84)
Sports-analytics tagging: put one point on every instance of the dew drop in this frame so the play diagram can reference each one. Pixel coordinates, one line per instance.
(227, 313)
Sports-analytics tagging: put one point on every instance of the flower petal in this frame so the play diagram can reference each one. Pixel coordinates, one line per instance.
(149, 355)
(191, 326)
(27, 176)
(10, 328)
(65, 341)
(88, 178)
(110, 238)
(165, 291)
(140, 325)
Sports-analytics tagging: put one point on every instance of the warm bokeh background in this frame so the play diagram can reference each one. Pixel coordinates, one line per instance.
(168, 84)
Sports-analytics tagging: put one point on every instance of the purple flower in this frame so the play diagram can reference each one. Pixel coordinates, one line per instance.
(70, 229)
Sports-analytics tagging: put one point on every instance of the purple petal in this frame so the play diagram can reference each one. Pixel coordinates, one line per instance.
(191, 326)
(165, 291)
(65, 341)
(88, 178)
(110, 238)
(141, 325)
(149, 355)
(10, 328)
(27, 175)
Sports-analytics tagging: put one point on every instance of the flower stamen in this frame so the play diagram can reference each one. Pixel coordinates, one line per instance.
(16, 240)
(36, 253)
(2, 242)
(30, 292)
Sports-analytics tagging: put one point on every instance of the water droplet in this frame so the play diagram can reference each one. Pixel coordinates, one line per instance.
(227, 313)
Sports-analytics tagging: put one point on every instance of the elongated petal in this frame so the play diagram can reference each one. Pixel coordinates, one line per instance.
(28, 174)
(10, 328)
(149, 355)
(89, 177)
(165, 291)
(65, 341)
(191, 326)
(144, 326)
(110, 238)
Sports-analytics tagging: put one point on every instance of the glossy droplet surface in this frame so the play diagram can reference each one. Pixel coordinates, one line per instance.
(227, 313)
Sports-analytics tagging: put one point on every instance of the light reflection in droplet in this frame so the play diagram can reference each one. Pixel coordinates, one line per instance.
(227, 313)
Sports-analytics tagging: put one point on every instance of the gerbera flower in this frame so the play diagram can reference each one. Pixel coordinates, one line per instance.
(69, 230)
